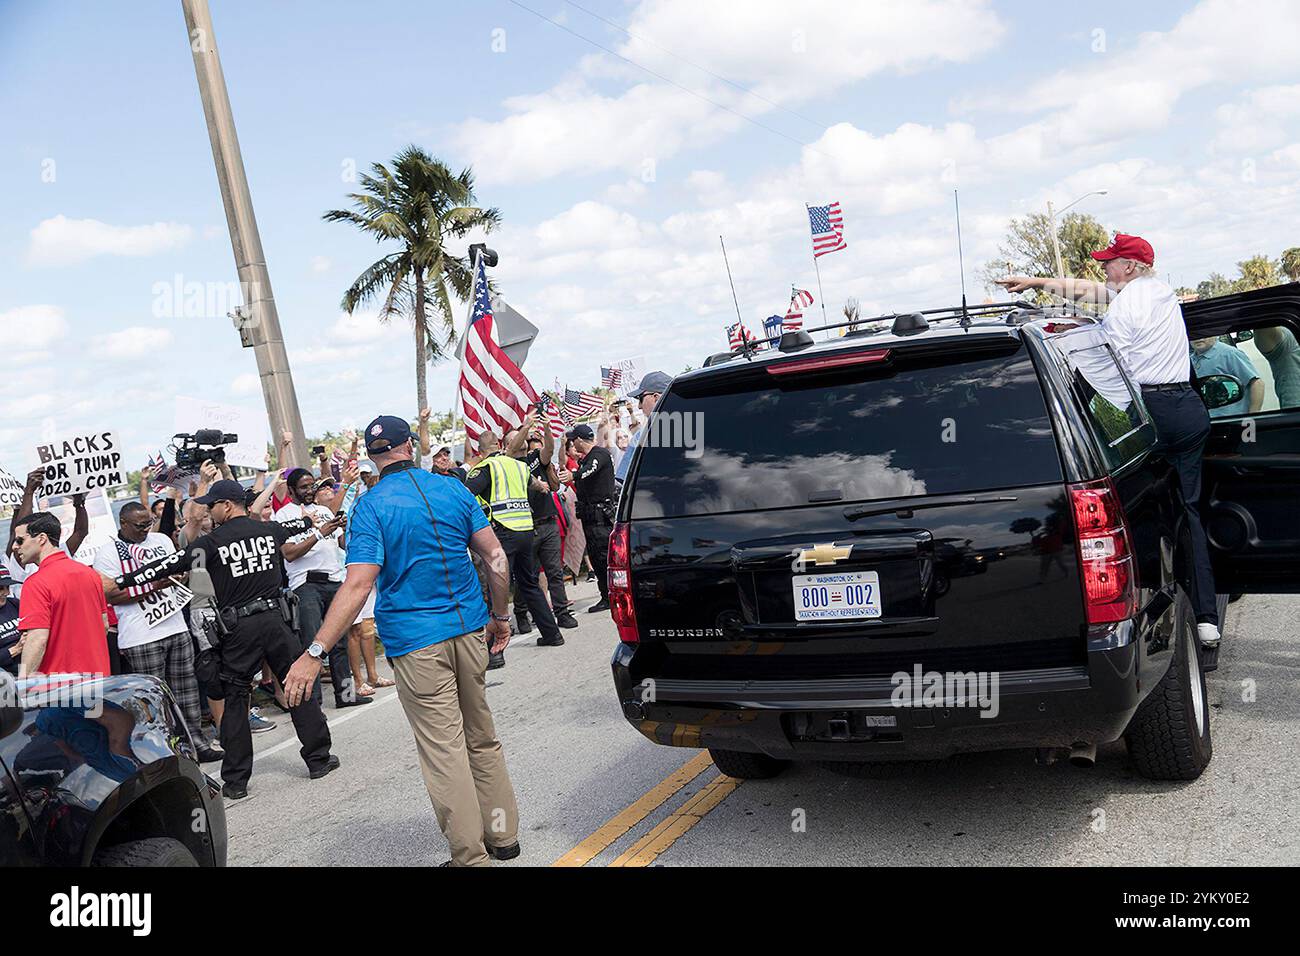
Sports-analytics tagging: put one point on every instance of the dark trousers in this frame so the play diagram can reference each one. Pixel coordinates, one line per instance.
(598, 530)
(547, 557)
(313, 601)
(261, 636)
(1182, 425)
(518, 546)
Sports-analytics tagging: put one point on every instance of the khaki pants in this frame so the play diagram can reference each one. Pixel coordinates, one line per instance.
(442, 690)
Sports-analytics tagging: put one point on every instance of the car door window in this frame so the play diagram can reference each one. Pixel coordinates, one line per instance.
(1113, 408)
(1260, 365)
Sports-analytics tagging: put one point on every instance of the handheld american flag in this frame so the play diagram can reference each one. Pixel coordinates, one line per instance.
(581, 404)
(827, 223)
(611, 377)
(493, 393)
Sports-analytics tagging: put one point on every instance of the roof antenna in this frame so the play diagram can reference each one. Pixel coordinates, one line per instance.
(961, 264)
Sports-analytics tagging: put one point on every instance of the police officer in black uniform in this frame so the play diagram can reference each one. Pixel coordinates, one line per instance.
(594, 485)
(242, 558)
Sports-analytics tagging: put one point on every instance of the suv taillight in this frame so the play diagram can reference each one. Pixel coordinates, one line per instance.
(1105, 552)
(620, 583)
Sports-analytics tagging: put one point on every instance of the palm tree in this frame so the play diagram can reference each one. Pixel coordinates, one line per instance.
(420, 204)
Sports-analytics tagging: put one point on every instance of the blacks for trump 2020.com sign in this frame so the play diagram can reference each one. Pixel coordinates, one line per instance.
(80, 464)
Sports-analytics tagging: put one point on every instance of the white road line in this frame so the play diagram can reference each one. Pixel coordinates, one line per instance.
(284, 744)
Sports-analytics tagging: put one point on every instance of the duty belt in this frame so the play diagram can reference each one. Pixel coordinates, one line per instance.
(1167, 387)
(257, 607)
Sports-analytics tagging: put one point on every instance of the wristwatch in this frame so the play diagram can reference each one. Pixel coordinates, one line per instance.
(504, 618)
(316, 650)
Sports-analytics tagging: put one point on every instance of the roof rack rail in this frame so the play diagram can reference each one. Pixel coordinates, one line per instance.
(955, 310)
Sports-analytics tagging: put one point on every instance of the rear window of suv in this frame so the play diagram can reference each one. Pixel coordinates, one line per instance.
(937, 427)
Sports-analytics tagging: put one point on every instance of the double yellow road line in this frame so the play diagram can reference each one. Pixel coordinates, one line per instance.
(644, 851)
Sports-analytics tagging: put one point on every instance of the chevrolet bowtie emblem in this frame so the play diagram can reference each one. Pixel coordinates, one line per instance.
(824, 554)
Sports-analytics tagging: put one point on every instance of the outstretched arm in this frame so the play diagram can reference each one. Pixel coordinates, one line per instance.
(1081, 290)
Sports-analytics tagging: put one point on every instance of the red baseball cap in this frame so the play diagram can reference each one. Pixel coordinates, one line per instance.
(1127, 247)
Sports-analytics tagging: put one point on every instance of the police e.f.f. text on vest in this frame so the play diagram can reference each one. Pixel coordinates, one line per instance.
(248, 557)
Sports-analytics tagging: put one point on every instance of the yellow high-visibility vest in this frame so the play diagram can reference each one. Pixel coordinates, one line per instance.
(507, 502)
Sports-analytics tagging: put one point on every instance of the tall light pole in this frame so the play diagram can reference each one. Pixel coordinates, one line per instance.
(1056, 243)
(261, 329)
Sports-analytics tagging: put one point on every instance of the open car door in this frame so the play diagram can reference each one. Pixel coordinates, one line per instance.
(1251, 486)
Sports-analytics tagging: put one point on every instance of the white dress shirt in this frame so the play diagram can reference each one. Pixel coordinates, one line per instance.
(1145, 326)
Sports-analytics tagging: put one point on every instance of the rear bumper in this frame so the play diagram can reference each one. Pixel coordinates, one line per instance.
(859, 718)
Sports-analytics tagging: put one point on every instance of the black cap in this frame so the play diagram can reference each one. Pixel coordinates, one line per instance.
(582, 431)
(5, 580)
(385, 433)
(656, 382)
(223, 490)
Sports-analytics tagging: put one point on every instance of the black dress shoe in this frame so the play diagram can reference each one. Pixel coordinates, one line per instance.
(235, 791)
(354, 702)
(503, 852)
(565, 619)
(523, 626)
(211, 754)
(496, 660)
(601, 605)
(330, 765)
(555, 641)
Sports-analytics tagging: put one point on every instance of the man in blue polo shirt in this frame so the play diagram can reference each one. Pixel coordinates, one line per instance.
(409, 537)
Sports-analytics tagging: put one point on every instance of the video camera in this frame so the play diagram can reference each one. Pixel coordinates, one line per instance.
(204, 445)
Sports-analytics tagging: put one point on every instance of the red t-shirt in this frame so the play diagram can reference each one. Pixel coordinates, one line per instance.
(67, 597)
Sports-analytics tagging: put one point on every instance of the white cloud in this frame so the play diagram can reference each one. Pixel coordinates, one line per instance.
(783, 54)
(1135, 89)
(1257, 119)
(364, 328)
(246, 384)
(62, 241)
(32, 327)
(134, 342)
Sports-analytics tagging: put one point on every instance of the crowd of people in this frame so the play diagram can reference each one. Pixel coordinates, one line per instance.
(186, 590)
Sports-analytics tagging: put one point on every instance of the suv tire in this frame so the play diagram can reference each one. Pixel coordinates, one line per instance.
(155, 851)
(746, 766)
(1169, 736)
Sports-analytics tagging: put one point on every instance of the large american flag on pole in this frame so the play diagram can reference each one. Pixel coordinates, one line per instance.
(493, 393)
(799, 300)
(827, 224)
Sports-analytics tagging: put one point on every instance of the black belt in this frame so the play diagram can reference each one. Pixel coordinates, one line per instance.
(1167, 387)
(257, 607)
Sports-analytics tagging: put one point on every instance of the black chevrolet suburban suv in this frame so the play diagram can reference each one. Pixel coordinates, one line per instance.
(945, 532)
(102, 771)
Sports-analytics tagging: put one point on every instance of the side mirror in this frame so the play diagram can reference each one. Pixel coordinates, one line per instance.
(1245, 335)
(11, 711)
(1219, 390)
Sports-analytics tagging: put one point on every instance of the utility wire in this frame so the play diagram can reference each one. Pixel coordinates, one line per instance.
(673, 83)
(704, 69)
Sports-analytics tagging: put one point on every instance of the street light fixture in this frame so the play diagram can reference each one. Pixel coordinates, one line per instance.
(1051, 216)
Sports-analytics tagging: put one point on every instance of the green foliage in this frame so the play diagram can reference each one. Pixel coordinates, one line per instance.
(1215, 285)
(1027, 249)
(1290, 263)
(420, 205)
(1257, 272)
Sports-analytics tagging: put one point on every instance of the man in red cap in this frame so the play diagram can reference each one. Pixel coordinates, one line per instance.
(1144, 323)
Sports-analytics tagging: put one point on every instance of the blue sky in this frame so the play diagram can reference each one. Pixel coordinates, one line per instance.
(613, 185)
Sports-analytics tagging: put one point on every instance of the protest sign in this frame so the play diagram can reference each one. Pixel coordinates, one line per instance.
(248, 423)
(632, 369)
(81, 463)
(11, 490)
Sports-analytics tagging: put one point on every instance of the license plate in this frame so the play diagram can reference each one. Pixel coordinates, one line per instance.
(846, 596)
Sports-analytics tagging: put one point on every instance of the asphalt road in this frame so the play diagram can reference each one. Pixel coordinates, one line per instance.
(592, 790)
